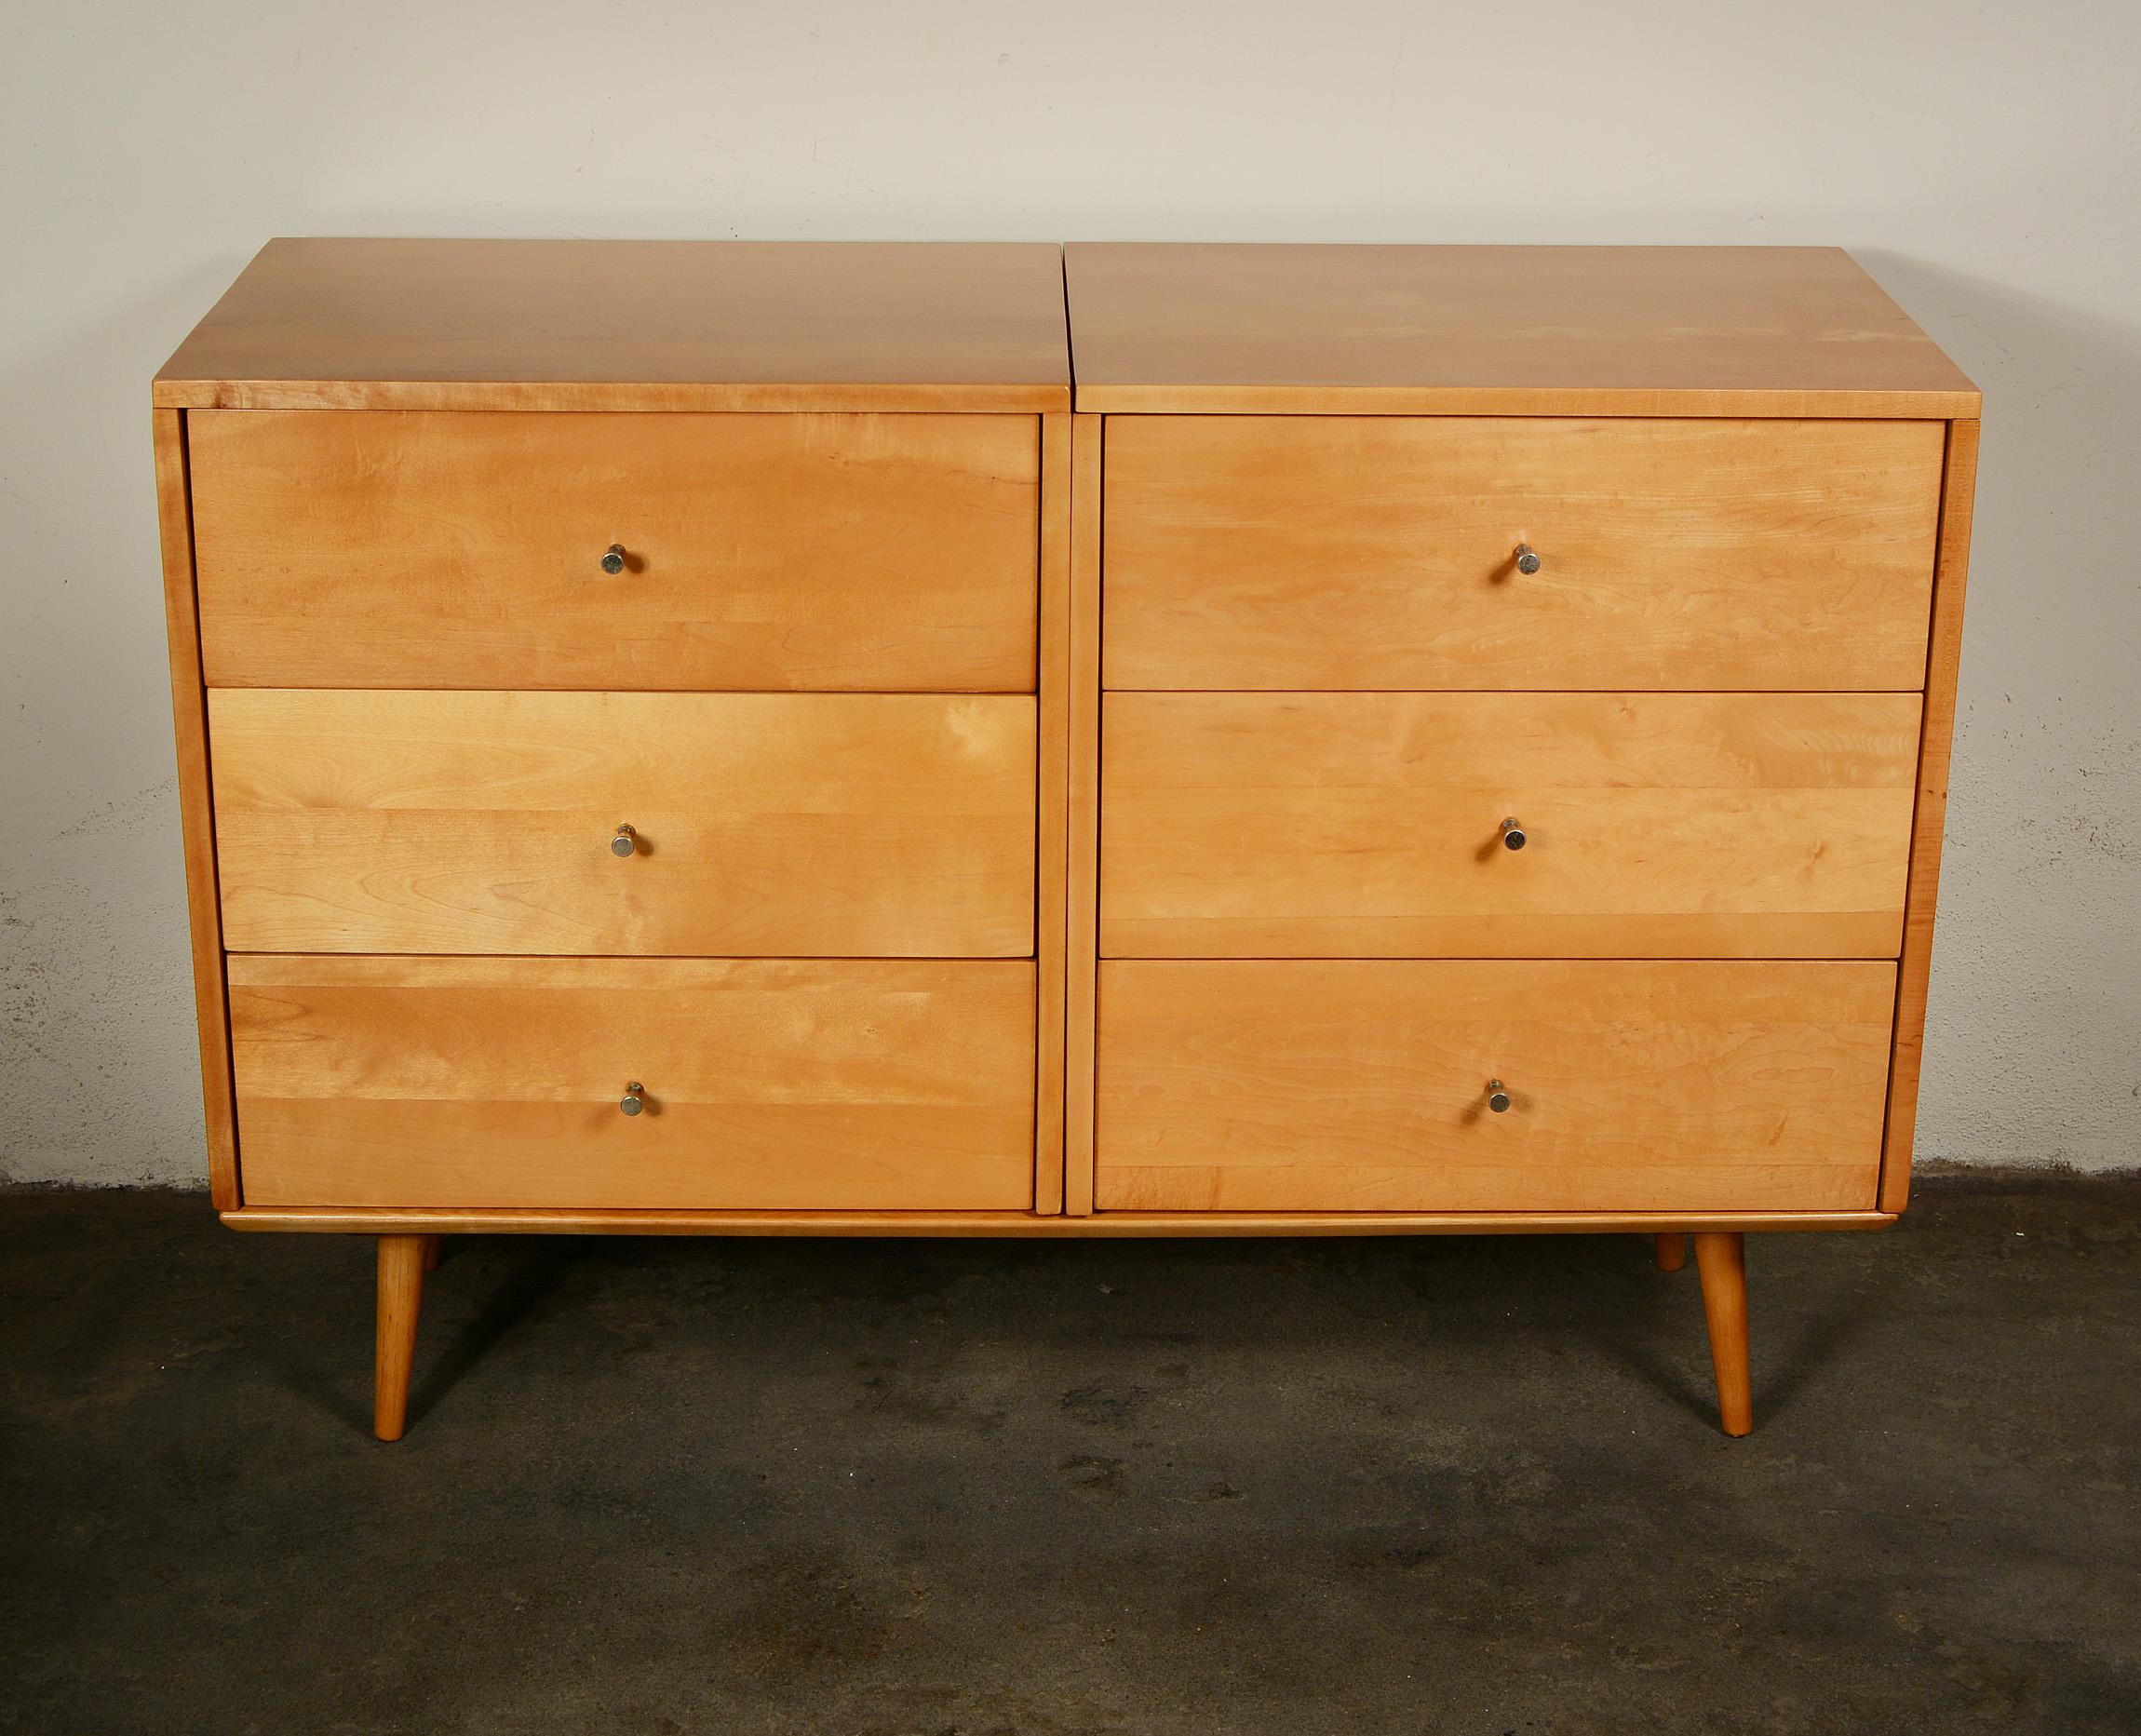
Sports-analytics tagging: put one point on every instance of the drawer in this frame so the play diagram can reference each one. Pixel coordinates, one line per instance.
(1369, 824)
(764, 824)
(871, 553)
(1335, 1086)
(1256, 552)
(770, 1086)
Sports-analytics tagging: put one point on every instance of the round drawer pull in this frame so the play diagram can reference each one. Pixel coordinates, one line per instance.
(1497, 1096)
(1526, 559)
(627, 842)
(613, 559)
(634, 1099)
(1513, 836)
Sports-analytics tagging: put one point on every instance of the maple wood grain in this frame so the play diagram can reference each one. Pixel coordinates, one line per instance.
(1944, 668)
(197, 816)
(1367, 825)
(1019, 1225)
(1497, 330)
(1052, 889)
(455, 549)
(337, 323)
(1082, 941)
(769, 1084)
(402, 1263)
(1381, 553)
(895, 825)
(1344, 1085)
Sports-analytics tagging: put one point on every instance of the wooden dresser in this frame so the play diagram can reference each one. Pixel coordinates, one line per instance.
(698, 738)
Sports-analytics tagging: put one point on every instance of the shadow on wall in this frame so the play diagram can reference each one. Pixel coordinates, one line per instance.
(100, 1077)
(2034, 1023)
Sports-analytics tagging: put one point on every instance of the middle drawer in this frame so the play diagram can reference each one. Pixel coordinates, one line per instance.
(803, 825)
(1373, 825)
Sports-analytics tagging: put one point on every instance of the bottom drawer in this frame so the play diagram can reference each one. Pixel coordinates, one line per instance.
(1362, 1085)
(768, 1085)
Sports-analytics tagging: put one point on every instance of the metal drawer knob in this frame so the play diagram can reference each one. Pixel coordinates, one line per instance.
(613, 559)
(1497, 1096)
(634, 1099)
(1512, 835)
(1526, 559)
(626, 842)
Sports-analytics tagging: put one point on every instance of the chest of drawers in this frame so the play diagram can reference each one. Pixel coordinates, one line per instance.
(700, 738)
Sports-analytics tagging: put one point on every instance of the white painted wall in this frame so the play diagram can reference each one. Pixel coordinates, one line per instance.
(1982, 158)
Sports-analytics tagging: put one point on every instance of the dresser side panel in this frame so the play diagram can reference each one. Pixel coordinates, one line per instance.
(1052, 864)
(197, 823)
(1084, 805)
(1936, 741)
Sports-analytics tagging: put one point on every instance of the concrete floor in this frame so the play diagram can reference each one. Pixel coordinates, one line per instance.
(882, 1488)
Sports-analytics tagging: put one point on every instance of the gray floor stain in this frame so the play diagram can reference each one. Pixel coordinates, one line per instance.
(1138, 1488)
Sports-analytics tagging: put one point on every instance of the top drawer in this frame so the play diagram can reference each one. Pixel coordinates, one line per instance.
(381, 548)
(1380, 552)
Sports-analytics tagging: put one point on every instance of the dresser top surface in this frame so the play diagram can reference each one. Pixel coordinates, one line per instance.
(1200, 328)
(632, 325)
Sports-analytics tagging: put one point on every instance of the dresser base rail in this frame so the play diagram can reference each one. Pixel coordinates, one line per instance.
(466, 1220)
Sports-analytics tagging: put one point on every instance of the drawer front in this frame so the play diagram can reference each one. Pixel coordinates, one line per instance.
(1371, 824)
(766, 1085)
(1332, 1085)
(894, 553)
(763, 823)
(1364, 553)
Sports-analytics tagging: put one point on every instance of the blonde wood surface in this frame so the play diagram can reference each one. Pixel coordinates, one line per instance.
(1369, 824)
(1362, 1087)
(1511, 331)
(396, 324)
(845, 553)
(1936, 741)
(1721, 1259)
(1366, 553)
(1084, 809)
(791, 824)
(197, 819)
(1025, 1226)
(1672, 1251)
(403, 1261)
(486, 1083)
(1050, 879)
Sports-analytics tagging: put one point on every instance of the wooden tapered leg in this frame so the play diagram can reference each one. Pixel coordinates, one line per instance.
(401, 1264)
(1672, 1251)
(432, 1246)
(1722, 1258)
